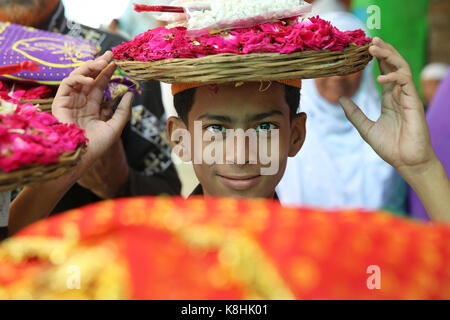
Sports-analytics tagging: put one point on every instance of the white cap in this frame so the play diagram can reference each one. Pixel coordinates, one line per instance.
(435, 71)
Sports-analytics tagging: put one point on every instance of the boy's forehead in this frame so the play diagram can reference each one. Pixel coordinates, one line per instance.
(240, 102)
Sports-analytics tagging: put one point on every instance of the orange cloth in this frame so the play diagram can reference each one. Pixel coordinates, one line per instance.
(203, 248)
(180, 87)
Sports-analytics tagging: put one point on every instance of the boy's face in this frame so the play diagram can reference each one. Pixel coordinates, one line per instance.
(243, 107)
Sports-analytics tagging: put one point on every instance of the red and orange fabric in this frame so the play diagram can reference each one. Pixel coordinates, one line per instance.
(170, 248)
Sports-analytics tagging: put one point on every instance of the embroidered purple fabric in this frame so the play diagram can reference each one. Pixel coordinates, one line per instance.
(57, 55)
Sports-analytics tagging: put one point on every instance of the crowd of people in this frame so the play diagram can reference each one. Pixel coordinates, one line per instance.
(342, 143)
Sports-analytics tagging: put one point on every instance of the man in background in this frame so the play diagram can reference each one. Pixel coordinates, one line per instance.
(431, 77)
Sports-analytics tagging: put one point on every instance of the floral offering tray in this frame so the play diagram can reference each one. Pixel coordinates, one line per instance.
(251, 67)
(34, 145)
(309, 48)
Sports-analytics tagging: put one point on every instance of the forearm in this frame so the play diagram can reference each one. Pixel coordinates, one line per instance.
(37, 201)
(433, 188)
(107, 187)
(109, 175)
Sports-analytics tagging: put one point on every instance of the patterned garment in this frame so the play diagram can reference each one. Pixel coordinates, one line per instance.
(56, 54)
(170, 248)
(153, 129)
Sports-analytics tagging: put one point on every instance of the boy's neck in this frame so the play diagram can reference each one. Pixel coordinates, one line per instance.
(199, 191)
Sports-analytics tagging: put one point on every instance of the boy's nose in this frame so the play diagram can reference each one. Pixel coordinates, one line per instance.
(243, 152)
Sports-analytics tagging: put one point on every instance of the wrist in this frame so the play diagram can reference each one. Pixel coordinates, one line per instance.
(417, 172)
(433, 188)
(424, 176)
(122, 182)
(113, 187)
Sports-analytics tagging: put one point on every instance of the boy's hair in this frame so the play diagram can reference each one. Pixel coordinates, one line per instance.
(183, 101)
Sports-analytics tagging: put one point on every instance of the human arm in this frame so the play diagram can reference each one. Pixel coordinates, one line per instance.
(77, 101)
(401, 136)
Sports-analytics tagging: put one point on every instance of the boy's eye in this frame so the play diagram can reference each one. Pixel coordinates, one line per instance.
(216, 128)
(265, 127)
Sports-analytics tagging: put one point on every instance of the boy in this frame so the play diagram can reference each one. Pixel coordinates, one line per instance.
(400, 136)
(267, 118)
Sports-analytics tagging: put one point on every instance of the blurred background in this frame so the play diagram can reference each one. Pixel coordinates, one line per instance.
(100, 12)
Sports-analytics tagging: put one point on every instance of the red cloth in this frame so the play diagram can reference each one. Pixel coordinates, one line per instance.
(170, 248)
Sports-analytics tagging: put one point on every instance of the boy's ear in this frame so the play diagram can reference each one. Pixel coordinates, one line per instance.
(179, 138)
(298, 134)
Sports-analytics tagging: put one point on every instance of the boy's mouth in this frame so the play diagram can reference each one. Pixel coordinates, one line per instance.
(240, 183)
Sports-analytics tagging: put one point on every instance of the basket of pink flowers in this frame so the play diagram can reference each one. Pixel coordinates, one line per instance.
(277, 50)
(40, 95)
(34, 145)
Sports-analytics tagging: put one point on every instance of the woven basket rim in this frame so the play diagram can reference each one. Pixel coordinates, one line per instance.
(44, 104)
(38, 100)
(249, 56)
(38, 172)
(229, 67)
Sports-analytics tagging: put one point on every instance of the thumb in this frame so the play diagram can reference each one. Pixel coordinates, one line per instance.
(122, 114)
(356, 117)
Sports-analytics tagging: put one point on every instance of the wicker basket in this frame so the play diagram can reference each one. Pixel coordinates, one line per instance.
(45, 105)
(252, 67)
(36, 173)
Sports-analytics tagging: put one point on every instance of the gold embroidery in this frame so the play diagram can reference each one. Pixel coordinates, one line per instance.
(102, 274)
